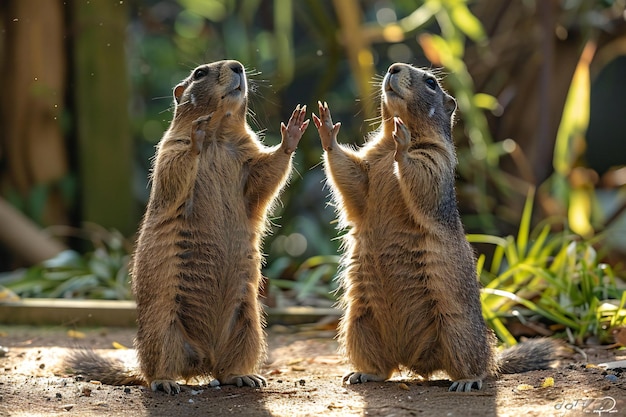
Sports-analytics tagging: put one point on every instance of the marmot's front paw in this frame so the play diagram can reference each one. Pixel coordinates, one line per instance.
(198, 132)
(294, 130)
(402, 136)
(325, 127)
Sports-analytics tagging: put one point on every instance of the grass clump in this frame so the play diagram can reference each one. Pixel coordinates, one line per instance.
(557, 278)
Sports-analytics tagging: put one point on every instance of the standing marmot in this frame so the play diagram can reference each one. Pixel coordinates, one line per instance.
(411, 294)
(196, 268)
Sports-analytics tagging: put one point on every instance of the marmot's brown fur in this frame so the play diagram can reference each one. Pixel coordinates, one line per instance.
(410, 290)
(196, 267)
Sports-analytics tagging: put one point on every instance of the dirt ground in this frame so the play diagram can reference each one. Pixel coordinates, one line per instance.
(304, 379)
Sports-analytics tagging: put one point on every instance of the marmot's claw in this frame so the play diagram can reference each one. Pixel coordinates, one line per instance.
(166, 385)
(252, 380)
(358, 378)
(465, 385)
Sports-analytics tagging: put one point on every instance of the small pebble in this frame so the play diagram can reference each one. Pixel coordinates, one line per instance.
(3, 351)
(611, 378)
(126, 390)
(58, 395)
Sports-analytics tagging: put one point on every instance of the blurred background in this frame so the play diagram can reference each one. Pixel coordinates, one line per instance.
(541, 92)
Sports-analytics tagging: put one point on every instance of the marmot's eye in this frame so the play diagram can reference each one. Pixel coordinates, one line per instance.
(199, 73)
(431, 82)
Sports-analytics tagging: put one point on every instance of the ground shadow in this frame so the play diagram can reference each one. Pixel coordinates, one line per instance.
(206, 401)
(412, 397)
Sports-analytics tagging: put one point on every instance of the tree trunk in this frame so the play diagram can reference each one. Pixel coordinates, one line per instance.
(101, 95)
(32, 146)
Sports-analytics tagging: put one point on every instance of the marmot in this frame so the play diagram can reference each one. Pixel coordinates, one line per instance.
(196, 267)
(410, 290)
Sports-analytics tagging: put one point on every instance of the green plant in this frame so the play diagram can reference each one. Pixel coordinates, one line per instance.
(99, 274)
(313, 278)
(556, 277)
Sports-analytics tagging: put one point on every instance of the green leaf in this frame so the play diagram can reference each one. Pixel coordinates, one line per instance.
(468, 23)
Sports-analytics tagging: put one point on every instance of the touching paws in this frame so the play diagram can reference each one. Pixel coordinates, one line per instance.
(294, 130)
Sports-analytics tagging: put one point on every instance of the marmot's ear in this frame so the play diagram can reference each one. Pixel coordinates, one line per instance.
(178, 92)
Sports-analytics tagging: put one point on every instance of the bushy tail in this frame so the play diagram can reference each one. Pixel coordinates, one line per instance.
(529, 355)
(93, 366)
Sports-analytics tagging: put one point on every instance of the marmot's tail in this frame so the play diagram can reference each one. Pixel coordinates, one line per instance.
(527, 356)
(93, 366)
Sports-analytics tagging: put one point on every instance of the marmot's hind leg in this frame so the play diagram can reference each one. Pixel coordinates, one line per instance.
(163, 363)
(467, 357)
(238, 358)
(364, 348)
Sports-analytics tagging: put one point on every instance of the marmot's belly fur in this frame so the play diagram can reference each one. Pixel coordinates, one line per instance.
(410, 290)
(196, 266)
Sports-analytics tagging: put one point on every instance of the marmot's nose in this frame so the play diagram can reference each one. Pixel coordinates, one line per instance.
(236, 67)
(395, 68)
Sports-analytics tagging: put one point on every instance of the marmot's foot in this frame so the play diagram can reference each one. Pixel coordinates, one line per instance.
(251, 380)
(359, 377)
(465, 385)
(167, 385)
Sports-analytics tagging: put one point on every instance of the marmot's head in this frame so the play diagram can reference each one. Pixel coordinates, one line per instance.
(219, 87)
(415, 95)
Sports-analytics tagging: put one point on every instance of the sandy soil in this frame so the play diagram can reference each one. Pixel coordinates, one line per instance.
(304, 379)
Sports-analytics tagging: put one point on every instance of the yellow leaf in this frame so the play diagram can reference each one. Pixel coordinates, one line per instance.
(548, 382)
(579, 212)
(117, 345)
(486, 101)
(7, 295)
(524, 387)
(75, 334)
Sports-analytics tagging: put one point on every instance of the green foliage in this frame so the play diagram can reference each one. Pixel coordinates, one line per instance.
(557, 278)
(311, 282)
(100, 274)
(296, 52)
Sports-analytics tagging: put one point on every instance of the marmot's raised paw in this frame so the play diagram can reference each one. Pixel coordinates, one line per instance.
(401, 136)
(198, 132)
(294, 130)
(325, 127)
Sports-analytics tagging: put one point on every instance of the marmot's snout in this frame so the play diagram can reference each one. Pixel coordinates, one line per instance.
(237, 74)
